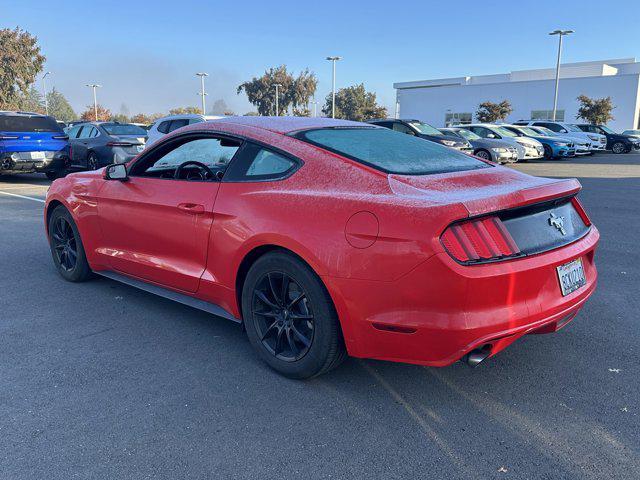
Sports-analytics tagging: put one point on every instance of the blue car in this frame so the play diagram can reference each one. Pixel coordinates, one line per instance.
(554, 147)
(30, 142)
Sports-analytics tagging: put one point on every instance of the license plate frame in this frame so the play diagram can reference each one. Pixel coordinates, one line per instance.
(571, 276)
(37, 155)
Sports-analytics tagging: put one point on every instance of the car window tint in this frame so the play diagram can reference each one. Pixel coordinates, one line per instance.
(268, 163)
(94, 132)
(164, 126)
(176, 124)
(402, 128)
(195, 120)
(215, 153)
(390, 151)
(85, 131)
(73, 132)
(26, 123)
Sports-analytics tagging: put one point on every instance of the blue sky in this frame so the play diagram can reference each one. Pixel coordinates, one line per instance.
(145, 54)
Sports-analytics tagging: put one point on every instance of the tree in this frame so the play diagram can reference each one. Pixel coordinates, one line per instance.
(595, 110)
(184, 110)
(20, 62)
(59, 107)
(219, 107)
(489, 112)
(141, 118)
(120, 118)
(293, 91)
(104, 115)
(31, 102)
(355, 103)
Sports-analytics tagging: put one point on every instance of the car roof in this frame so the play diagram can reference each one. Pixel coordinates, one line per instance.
(188, 115)
(21, 114)
(286, 124)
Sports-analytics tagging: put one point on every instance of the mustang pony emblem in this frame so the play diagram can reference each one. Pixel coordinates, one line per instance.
(557, 222)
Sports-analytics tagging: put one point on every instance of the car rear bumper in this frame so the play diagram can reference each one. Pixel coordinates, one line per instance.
(19, 162)
(442, 310)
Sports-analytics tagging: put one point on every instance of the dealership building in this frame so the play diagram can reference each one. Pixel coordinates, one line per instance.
(449, 101)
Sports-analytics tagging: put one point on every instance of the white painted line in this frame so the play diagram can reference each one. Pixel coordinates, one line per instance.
(22, 196)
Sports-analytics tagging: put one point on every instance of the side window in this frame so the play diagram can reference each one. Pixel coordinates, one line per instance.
(195, 120)
(214, 153)
(85, 131)
(384, 124)
(94, 132)
(402, 128)
(164, 126)
(73, 132)
(255, 163)
(551, 126)
(483, 132)
(176, 124)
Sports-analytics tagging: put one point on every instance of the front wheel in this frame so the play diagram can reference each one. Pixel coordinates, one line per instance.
(66, 247)
(548, 152)
(290, 318)
(483, 154)
(92, 161)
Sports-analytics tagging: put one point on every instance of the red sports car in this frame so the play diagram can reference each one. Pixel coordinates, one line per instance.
(328, 237)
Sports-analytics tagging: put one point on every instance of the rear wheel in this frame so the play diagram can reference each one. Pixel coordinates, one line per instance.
(66, 247)
(483, 154)
(290, 318)
(548, 152)
(92, 161)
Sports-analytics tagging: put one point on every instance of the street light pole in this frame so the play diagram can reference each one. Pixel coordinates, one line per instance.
(277, 85)
(560, 34)
(333, 89)
(44, 93)
(315, 108)
(95, 98)
(202, 92)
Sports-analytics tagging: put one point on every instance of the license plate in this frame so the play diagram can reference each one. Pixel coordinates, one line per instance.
(139, 148)
(571, 276)
(37, 156)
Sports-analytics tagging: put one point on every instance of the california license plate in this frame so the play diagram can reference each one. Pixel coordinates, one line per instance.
(571, 276)
(37, 155)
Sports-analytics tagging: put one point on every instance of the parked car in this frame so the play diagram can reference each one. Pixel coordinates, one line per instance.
(582, 147)
(96, 144)
(424, 130)
(528, 148)
(486, 148)
(616, 142)
(168, 124)
(632, 133)
(325, 237)
(554, 147)
(30, 142)
(597, 142)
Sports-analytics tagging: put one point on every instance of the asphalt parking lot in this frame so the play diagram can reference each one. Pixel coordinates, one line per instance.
(100, 380)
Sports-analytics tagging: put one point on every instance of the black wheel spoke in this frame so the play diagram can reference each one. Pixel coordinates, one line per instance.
(265, 300)
(272, 288)
(267, 314)
(268, 331)
(296, 300)
(286, 281)
(292, 343)
(278, 347)
(300, 316)
(301, 337)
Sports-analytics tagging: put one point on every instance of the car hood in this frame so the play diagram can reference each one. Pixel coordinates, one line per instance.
(482, 191)
(528, 141)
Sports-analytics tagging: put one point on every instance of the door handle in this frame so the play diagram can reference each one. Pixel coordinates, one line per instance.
(193, 208)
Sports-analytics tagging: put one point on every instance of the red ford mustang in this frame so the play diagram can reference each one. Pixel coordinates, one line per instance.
(327, 238)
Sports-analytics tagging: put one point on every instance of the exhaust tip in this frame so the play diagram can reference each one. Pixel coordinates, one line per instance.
(477, 356)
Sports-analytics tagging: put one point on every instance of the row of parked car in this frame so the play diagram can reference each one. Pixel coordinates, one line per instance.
(521, 141)
(30, 142)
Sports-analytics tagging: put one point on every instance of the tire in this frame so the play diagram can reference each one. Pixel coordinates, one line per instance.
(66, 247)
(294, 329)
(92, 161)
(53, 174)
(618, 148)
(484, 154)
(548, 152)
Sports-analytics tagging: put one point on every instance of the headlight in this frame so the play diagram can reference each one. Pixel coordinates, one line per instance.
(500, 150)
(560, 144)
(594, 138)
(448, 143)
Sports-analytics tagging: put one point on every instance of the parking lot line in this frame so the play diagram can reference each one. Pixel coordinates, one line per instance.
(22, 196)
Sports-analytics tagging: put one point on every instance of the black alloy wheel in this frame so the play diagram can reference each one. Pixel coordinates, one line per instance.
(618, 147)
(64, 244)
(283, 316)
(92, 161)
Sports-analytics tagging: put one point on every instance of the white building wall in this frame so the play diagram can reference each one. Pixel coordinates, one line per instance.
(431, 104)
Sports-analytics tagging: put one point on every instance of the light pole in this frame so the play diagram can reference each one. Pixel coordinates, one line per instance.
(95, 98)
(44, 93)
(315, 108)
(202, 93)
(277, 85)
(333, 60)
(560, 34)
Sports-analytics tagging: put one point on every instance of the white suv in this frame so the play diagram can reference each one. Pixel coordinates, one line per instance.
(165, 125)
(596, 141)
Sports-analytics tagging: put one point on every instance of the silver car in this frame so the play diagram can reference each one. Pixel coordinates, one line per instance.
(486, 148)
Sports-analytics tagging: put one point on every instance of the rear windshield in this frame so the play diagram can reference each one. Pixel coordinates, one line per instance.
(123, 129)
(390, 151)
(23, 123)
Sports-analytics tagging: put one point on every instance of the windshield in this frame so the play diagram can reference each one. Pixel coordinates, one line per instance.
(528, 131)
(425, 128)
(390, 151)
(123, 129)
(468, 134)
(505, 132)
(608, 130)
(24, 123)
(572, 128)
(546, 132)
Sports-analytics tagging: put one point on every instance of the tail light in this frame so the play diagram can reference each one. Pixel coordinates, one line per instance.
(60, 137)
(479, 239)
(9, 137)
(580, 209)
(119, 144)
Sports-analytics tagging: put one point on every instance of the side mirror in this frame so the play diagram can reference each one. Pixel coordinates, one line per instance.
(491, 135)
(562, 130)
(116, 171)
